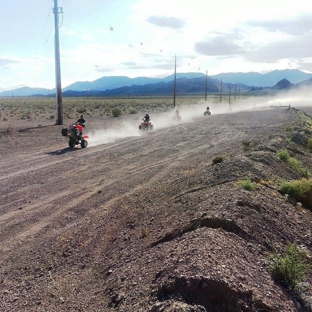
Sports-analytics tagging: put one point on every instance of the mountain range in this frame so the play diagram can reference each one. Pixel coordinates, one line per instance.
(185, 83)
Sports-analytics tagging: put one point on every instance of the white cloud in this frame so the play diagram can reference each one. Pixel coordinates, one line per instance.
(219, 46)
(296, 26)
(162, 21)
(140, 38)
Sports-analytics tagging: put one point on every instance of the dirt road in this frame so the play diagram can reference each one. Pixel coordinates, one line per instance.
(50, 192)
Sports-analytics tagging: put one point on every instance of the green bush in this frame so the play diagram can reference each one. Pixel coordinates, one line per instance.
(133, 110)
(310, 144)
(81, 110)
(290, 268)
(294, 163)
(116, 112)
(283, 155)
(217, 160)
(248, 185)
(301, 190)
(246, 145)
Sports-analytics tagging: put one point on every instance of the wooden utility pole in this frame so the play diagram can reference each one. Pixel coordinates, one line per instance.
(58, 87)
(175, 81)
(221, 91)
(206, 88)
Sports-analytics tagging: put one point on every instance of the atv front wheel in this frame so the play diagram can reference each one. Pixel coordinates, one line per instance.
(76, 132)
(71, 143)
(84, 143)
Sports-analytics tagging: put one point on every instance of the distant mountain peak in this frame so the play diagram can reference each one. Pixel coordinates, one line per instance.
(283, 84)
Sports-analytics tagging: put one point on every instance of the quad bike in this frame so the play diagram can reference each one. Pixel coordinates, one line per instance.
(75, 137)
(207, 112)
(146, 125)
(177, 117)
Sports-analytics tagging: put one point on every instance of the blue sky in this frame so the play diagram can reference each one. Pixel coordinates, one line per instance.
(140, 38)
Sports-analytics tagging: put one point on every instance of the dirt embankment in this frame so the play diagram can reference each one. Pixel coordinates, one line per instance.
(145, 222)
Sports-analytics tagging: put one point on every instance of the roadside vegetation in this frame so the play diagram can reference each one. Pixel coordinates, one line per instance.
(247, 184)
(300, 190)
(291, 267)
(293, 162)
(217, 160)
(31, 107)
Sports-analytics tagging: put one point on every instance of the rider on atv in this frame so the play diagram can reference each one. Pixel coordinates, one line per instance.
(81, 122)
(146, 118)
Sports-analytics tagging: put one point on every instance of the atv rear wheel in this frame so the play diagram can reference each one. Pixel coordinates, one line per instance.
(140, 127)
(71, 143)
(64, 132)
(84, 143)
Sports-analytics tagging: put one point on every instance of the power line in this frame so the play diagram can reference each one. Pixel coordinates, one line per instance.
(43, 29)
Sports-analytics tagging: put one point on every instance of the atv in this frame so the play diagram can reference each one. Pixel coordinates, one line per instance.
(177, 117)
(75, 137)
(207, 112)
(146, 125)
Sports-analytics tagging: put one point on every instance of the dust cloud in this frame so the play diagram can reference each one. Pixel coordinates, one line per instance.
(189, 113)
(104, 136)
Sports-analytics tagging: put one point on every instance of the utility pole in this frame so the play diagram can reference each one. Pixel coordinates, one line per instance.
(58, 88)
(206, 86)
(230, 92)
(221, 91)
(175, 81)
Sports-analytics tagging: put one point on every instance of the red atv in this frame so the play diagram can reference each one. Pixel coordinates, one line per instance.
(177, 117)
(146, 125)
(74, 134)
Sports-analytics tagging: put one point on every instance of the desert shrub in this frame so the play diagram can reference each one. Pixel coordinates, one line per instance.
(289, 128)
(133, 110)
(81, 110)
(116, 112)
(301, 190)
(246, 145)
(26, 115)
(283, 155)
(217, 160)
(310, 144)
(304, 172)
(293, 162)
(248, 185)
(291, 267)
(67, 115)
